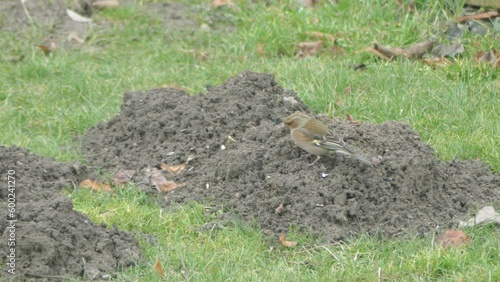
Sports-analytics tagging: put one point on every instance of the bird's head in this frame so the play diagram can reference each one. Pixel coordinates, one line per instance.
(296, 120)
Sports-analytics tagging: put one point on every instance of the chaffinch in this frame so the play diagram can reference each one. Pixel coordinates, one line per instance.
(314, 137)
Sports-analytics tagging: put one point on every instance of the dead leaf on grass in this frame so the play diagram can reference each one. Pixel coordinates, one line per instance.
(286, 243)
(309, 49)
(449, 238)
(96, 186)
(122, 176)
(159, 269)
(481, 16)
(415, 51)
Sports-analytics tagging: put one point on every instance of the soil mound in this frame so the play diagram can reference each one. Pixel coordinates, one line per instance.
(246, 162)
(52, 240)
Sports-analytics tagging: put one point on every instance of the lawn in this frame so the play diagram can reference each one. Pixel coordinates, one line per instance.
(47, 100)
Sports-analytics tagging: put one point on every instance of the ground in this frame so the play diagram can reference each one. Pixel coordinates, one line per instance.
(243, 161)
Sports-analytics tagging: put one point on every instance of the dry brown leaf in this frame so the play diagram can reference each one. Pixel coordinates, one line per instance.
(122, 176)
(173, 169)
(159, 269)
(437, 62)
(481, 16)
(286, 243)
(217, 3)
(103, 4)
(170, 186)
(415, 51)
(320, 35)
(96, 186)
(156, 178)
(279, 209)
(309, 48)
(339, 103)
(449, 238)
(315, 21)
(348, 89)
(351, 119)
(260, 49)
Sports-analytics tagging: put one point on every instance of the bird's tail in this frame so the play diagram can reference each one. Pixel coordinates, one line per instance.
(340, 147)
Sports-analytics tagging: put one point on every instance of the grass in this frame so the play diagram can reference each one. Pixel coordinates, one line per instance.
(46, 101)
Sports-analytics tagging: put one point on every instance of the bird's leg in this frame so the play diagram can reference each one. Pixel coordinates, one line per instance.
(315, 161)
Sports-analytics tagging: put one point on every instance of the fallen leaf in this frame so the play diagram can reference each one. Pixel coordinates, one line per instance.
(77, 18)
(415, 51)
(286, 243)
(161, 183)
(339, 103)
(315, 21)
(279, 209)
(103, 4)
(96, 186)
(217, 3)
(170, 186)
(347, 90)
(260, 49)
(481, 16)
(449, 238)
(309, 48)
(159, 269)
(122, 176)
(173, 169)
(320, 35)
(351, 119)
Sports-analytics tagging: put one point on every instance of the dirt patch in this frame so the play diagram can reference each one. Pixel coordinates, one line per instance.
(410, 192)
(53, 240)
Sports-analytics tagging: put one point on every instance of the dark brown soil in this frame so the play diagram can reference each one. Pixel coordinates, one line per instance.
(410, 192)
(53, 240)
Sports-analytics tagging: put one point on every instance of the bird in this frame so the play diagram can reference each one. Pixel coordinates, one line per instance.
(314, 137)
